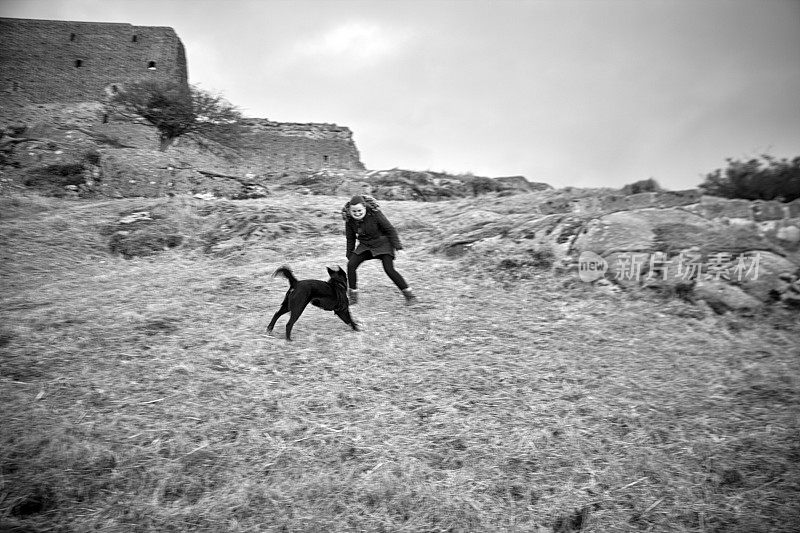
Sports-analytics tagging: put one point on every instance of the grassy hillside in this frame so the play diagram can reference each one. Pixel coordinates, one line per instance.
(144, 395)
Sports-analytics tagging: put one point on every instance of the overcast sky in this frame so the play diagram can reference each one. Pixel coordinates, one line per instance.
(582, 93)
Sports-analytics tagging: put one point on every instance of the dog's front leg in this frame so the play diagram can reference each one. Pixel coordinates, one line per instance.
(347, 318)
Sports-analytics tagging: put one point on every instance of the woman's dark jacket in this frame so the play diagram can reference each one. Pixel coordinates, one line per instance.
(374, 233)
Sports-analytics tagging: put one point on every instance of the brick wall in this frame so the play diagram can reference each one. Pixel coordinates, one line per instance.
(281, 146)
(45, 61)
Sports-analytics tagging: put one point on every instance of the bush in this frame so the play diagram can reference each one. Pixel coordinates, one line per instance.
(51, 180)
(142, 243)
(92, 157)
(765, 179)
(648, 185)
(520, 266)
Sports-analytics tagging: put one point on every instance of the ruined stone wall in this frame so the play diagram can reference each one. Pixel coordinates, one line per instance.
(278, 146)
(47, 62)
(43, 61)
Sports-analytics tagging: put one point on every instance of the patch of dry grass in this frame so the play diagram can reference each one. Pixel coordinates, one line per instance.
(144, 395)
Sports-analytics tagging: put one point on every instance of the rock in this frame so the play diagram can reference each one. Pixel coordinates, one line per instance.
(639, 230)
(351, 188)
(135, 217)
(621, 231)
(790, 234)
(231, 246)
(723, 297)
(765, 279)
(607, 286)
(767, 210)
(793, 208)
(628, 269)
(712, 207)
(471, 219)
(251, 191)
(677, 198)
(522, 184)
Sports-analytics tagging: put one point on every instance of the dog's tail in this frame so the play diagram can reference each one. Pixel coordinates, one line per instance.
(287, 273)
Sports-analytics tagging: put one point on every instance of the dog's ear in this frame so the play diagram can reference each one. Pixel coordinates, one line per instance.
(338, 273)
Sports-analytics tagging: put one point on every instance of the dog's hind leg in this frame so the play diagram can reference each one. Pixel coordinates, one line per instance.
(296, 312)
(347, 318)
(282, 311)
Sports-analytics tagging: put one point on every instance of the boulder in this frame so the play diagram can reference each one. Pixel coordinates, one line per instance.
(555, 205)
(793, 208)
(677, 198)
(628, 269)
(520, 183)
(712, 207)
(764, 282)
(767, 210)
(471, 219)
(621, 231)
(790, 234)
(723, 297)
(640, 230)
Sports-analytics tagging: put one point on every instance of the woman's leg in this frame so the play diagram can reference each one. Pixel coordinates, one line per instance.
(352, 265)
(394, 275)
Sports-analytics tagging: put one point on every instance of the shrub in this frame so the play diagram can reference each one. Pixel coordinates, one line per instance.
(765, 179)
(648, 185)
(142, 243)
(92, 157)
(521, 265)
(51, 180)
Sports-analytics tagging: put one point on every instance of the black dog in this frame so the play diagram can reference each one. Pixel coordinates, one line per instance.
(329, 295)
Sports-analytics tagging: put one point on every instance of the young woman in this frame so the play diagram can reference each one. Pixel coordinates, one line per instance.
(377, 239)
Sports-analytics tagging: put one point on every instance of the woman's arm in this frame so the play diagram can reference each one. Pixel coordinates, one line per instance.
(388, 230)
(350, 233)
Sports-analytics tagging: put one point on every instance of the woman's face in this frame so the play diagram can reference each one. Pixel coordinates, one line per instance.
(358, 211)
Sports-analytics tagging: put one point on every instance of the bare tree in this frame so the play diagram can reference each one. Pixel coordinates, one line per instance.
(176, 111)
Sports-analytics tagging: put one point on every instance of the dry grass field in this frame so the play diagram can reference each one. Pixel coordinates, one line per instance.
(143, 394)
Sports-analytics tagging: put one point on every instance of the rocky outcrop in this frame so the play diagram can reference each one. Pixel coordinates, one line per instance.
(731, 267)
(723, 297)
(675, 250)
(522, 184)
(399, 184)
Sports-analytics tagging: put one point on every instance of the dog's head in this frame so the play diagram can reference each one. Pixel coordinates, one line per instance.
(337, 274)
(339, 283)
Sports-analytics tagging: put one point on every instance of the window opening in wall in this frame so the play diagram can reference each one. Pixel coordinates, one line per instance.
(78, 63)
(72, 36)
(151, 65)
(105, 118)
(134, 38)
(324, 158)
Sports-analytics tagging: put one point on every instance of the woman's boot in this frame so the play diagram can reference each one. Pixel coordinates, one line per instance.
(411, 298)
